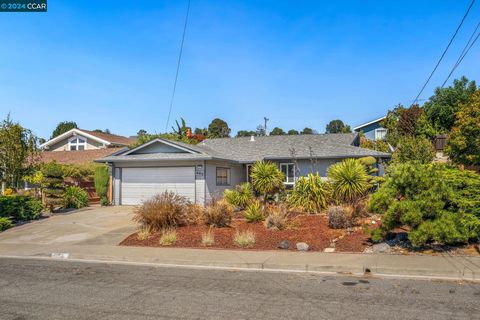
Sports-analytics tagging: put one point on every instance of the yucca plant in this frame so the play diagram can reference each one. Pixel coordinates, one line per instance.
(267, 179)
(310, 194)
(241, 196)
(253, 212)
(349, 179)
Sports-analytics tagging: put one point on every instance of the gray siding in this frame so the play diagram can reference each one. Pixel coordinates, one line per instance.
(237, 176)
(158, 148)
(369, 131)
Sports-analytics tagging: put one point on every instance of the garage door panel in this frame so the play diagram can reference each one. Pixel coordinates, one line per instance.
(139, 184)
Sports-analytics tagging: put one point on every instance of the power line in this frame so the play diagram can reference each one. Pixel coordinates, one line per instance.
(463, 53)
(178, 66)
(445, 51)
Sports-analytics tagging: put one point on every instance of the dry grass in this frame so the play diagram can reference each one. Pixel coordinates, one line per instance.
(169, 237)
(168, 210)
(208, 238)
(277, 217)
(244, 239)
(219, 214)
(144, 234)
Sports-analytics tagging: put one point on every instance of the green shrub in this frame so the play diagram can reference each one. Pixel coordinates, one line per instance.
(253, 213)
(414, 149)
(349, 179)
(241, 196)
(101, 179)
(267, 179)
(20, 208)
(162, 211)
(75, 197)
(219, 214)
(85, 171)
(436, 202)
(5, 223)
(52, 185)
(310, 194)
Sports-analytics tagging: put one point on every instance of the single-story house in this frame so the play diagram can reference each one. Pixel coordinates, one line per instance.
(372, 130)
(202, 172)
(81, 146)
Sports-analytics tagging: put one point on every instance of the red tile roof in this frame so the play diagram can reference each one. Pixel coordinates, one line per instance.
(75, 157)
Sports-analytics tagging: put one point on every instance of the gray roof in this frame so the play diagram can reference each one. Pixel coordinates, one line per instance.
(286, 147)
(156, 157)
(244, 150)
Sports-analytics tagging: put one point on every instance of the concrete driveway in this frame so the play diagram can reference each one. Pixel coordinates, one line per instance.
(89, 226)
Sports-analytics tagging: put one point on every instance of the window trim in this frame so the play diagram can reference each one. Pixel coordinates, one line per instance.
(286, 177)
(229, 177)
(77, 144)
(377, 133)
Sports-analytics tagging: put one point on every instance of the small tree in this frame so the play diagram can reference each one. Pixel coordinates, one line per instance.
(218, 128)
(102, 179)
(292, 132)
(414, 149)
(246, 133)
(267, 179)
(277, 132)
(17, 152)
(307, 131)
(63, 127)
(463, 145)
(337, 126)
(52, 185)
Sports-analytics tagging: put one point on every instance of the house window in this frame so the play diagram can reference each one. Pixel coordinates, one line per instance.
(380, 133)
(223, 176)
(288, 169)
(77, 143)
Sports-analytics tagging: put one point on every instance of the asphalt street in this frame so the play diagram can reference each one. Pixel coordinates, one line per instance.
(41, 289)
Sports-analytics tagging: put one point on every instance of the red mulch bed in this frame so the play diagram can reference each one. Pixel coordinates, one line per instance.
(312, 229)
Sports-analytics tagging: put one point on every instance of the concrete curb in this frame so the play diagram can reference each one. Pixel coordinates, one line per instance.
(382, 272)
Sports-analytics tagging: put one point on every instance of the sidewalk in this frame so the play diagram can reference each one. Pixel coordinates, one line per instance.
(435, 267)
(92, 235)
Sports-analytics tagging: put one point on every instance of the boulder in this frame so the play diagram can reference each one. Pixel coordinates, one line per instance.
(284, 244)
(401, 236)
(302, 246)
(329, 250)
(381, 248)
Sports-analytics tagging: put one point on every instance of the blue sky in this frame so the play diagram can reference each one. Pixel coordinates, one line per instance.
(111, 64)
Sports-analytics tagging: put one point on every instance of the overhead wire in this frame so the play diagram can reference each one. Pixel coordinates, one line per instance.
(178, 67)
(444, 51)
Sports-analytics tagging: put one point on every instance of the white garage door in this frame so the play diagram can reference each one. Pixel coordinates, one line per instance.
(140, 184)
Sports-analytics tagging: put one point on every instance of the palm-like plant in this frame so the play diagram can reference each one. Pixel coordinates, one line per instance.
(267, 179)
(349, 179)
(311, 194)
(241, 196)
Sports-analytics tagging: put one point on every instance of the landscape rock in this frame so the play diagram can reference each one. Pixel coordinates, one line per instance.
(284, 244)
(302, 246)
(381, 248)
(401, 236)
(329, 250)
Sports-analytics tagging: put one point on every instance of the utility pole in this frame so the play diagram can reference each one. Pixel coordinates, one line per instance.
(265, 126)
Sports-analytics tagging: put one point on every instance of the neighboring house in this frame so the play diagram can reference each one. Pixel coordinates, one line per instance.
(373, 129)
(80, 146)
(202, 172)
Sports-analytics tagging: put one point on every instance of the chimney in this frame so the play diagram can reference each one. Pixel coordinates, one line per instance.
(252, 138)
